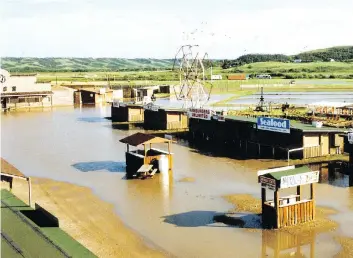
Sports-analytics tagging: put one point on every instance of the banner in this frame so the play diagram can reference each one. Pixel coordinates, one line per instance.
(273, 124)
(200, 113)
(300, 179)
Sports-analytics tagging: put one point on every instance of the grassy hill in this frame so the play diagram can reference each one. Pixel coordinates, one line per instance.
(29, 64)
(319, 70)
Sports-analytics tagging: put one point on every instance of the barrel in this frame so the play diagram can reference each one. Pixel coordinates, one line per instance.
(163, 164)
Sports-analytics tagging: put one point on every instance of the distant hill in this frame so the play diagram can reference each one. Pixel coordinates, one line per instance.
(31, 64)
(51, 64)
(339, 54)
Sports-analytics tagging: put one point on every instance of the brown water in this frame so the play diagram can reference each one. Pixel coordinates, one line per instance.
(81, 147)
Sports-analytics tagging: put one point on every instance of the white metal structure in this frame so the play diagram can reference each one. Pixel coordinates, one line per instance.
(192, 77)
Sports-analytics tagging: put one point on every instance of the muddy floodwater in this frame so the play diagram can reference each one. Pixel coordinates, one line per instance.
(173, 212)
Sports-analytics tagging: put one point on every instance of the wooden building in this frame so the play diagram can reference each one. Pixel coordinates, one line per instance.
(23, 91)
(93, 96)
(124, 112)
(165, 119)
(135, 159)
(242, 135)
(283, 211)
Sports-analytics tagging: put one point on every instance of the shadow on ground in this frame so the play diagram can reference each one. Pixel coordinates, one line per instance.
(111, 166)
(191, 218)
(208, 218)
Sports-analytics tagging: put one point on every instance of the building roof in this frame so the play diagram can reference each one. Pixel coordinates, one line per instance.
(293, 125)
(284, 177)
(29, 93)
(294, 171)
(141, 138)
(95, 90)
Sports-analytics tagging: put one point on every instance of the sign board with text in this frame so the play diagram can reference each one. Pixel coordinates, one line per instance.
(268, 182)
(200, 113)
(299, 179)
(273, 124)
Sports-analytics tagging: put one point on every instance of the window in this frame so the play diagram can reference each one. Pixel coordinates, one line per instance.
(4, 89)
(13, 88)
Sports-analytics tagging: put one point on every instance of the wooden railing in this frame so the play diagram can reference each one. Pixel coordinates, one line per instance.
(312, 152)
(288, 214)
(299, 212)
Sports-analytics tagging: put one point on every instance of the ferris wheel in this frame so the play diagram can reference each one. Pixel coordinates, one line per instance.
(192, 81)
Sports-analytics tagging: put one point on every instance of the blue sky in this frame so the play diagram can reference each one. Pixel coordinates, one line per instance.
(156, 28)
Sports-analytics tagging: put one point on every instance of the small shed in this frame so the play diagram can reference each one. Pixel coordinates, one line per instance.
(165, 119)
(287, 210)
(135, 159)
(124, 112)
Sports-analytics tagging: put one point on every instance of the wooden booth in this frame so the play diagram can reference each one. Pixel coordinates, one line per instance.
(145, 161)
(290, 210)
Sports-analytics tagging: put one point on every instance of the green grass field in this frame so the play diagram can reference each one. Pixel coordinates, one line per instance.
(29, 241)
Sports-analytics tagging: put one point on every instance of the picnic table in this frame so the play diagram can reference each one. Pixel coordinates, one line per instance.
(144, 169)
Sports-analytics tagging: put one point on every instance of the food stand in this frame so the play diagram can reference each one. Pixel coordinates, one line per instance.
(147, 159)
(287, 210)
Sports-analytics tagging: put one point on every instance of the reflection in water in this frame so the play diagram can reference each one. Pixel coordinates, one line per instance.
(334, 173)
(127, 126)
(284, 244)
(157, 190)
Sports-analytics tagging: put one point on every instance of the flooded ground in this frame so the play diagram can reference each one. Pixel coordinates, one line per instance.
(297, 98)
(174, 211)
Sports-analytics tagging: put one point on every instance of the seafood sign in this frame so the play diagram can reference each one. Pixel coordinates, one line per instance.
(273, 124)
(300, 179)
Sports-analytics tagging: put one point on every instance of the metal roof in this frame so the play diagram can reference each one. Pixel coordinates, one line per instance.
(141, 138)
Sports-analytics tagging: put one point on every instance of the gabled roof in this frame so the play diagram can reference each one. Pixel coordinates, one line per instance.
(289, 176)
(141, 138)
(290, 172)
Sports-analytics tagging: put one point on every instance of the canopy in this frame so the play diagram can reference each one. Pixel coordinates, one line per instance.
(286, 177)
(141, 138)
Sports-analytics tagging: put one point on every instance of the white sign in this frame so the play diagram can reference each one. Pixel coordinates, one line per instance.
(151, 107)
(273, 124)
(200, 113)
(300, 179)
(216, 77)
(350, 137)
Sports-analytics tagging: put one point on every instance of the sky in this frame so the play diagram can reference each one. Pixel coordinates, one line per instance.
(225, 29)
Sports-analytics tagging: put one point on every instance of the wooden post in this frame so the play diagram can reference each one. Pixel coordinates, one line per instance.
(299, 192)
(312, 194)
(273, 152)
(29, 192)
(263, 200)
(276, 201)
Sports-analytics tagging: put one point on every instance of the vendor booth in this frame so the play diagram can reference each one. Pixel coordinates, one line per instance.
(146, 161)
(282, 211)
